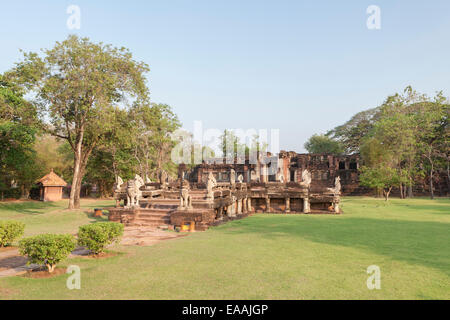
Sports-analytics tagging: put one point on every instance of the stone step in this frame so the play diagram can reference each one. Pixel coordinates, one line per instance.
(146, 224)
(154, 215)
(154, 211)
(151, 221)
(164, 206)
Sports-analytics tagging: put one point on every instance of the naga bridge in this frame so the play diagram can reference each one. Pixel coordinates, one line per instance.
(215, 192)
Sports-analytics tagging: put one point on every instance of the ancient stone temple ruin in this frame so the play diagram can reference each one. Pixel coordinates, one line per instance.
(217, 190)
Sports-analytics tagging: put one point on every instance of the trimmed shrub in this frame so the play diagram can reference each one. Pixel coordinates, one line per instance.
(47, 249)
(98, 235)
(10, 230)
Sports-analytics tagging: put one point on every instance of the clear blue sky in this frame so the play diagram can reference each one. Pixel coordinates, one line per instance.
(299, 66)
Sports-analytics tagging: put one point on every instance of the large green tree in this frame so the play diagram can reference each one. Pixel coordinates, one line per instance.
(323, 144)
(18, 129)
(410, 135)
(76, 85)
(152, 144)
(351, 133)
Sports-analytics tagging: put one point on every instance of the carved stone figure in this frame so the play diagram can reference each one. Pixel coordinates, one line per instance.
(240, 178)
(306, 178)
(185, 197)
(134, 192)
(118, 185)
(210, 184)
(232, 177)
(163, 177)
(233, 206)
(253, 176)
(337, 186)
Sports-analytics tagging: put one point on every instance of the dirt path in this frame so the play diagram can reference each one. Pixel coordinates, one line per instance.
(12, 264)
(146, 236)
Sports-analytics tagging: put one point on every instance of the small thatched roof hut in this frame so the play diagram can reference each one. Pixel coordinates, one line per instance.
(51, 186)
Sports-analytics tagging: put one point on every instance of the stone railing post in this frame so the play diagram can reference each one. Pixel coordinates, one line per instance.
(288, 205)
(306, 207)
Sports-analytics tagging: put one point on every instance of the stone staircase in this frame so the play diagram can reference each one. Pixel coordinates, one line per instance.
(156, 214)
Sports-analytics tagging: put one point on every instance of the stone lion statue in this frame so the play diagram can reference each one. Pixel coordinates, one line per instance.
(185, 197)
(163, 177)
(210, 184)
(134, 192)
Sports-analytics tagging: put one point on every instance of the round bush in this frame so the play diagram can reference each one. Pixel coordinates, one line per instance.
(47, 249)
(98, 235)
(10, 230)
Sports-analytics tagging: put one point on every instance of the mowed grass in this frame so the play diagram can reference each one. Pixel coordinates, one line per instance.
(51, 217)
(269, 256)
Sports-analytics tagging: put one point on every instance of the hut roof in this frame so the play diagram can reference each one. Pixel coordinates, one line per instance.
(52, 180)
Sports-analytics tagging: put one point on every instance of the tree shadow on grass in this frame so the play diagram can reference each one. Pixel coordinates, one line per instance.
(28, 207)
(425, 243)
(439, 209)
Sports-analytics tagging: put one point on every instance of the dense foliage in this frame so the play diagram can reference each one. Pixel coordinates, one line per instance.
(98, 235)
(10, 231)
(18, 129)
(47, 249)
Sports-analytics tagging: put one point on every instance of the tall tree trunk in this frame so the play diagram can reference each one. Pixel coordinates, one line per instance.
(410, 190)
(386, 193)
(401, 191)
(74, 200)
(78, 193)
(74, 190)
(431, 182)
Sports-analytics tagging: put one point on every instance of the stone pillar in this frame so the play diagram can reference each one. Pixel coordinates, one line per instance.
(244, 205)
(306, 207)
(288, 205)
(239, 206)
(249, 205)
(233, 209)
(264, 174)
(268, 204)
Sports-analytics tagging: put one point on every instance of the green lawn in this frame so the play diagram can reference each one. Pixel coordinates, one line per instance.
(264, 256)
(50, 217)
